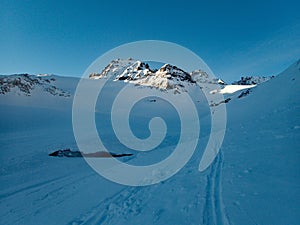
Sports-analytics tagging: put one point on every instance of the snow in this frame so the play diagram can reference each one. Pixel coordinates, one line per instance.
(254, 179)
(230, 89)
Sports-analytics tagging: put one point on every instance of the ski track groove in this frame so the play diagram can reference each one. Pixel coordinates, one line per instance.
(214, 210)
(127, 202)
(124, 204)
(29, 187)
(34, 188)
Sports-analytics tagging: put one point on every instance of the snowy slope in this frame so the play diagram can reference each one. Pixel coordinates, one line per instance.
(254, 180)
(261, 153)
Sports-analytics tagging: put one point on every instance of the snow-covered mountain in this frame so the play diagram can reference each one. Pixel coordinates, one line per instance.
(113, 69)
(254, 179)
(25, 84)
(168, 77)
(44, 91)
(135, 71)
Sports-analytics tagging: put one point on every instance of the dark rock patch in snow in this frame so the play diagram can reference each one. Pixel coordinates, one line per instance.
(101, 154)
(244, 93)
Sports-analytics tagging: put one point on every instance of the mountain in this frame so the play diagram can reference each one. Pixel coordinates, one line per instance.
(168, 77)
(252, 80)
(44, 91)
(254, 179)
(113, 69)
(25, 84)
(135, 71)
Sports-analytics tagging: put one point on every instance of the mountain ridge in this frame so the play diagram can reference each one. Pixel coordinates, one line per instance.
(167, 77)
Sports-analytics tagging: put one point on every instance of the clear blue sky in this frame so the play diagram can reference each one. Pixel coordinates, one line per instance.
(235, 38)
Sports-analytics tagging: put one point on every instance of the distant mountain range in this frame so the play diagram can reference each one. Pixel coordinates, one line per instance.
(166, 78)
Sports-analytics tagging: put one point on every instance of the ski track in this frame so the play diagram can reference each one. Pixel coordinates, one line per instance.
(129, 201)
(123, 205)
(31, 187)
(126, 203)
(214, 210)
(42, 201)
